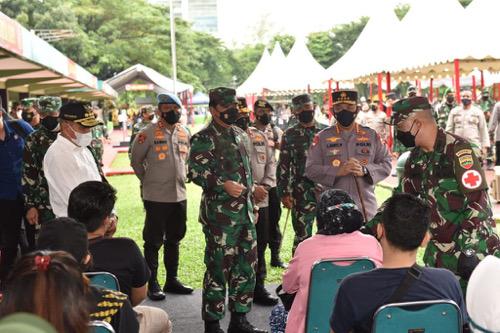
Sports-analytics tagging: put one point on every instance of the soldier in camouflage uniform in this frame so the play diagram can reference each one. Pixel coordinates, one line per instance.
(35, 187)
(444, 171)
(486, 104)
(31, 112)
(295, 190)
(219, 162)
(445, 108)
(98, 133)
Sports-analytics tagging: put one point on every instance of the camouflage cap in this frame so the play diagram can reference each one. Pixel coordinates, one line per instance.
(149, 109)
(262, 104)
(299, 100)
(242, 105)
(79, 113)
(49, 104)
(345, 96)
(169, 99)
(30, 102)
(222, 96)
(485, 91)
(404, 107)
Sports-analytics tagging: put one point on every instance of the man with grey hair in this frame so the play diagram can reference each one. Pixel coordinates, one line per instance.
(468, 121)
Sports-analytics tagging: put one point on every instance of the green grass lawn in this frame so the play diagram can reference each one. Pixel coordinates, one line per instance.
(191, 268)
(121, 161)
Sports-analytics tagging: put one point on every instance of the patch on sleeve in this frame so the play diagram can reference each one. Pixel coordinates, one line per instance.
(316, 140)
(141, 138)
(468, 171)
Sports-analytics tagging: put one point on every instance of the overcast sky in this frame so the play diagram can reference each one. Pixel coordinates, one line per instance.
(239, 20)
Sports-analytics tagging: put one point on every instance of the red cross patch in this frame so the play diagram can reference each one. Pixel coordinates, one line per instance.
(472, 179)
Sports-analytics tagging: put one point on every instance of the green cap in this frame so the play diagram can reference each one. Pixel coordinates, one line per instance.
(222, 96)
(49, 104)
(29, 102)
(404, 107)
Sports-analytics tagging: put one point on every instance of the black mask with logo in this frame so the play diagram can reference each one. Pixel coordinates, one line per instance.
(345, 117)
(51, 123)
(171, 117)
(306, 116)
(406, 138)
(243, 123)
(229, 116)
(264, 119)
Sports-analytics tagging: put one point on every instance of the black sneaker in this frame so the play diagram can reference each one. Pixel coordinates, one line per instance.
(174, 286)
(262, 297)
(240, 324)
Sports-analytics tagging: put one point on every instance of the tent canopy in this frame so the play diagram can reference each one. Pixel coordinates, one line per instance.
(200, 99)
(28, 64)
(255, 82)
(155, 81)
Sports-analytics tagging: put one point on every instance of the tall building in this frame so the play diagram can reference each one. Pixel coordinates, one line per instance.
(203, 14)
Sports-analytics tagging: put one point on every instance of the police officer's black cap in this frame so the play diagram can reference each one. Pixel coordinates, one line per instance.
(300, 100)
(345, 96)
(262, 104)
(222, 96)
(80, 113)
(242, 102)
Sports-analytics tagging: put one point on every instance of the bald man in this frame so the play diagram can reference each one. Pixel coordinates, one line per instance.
(444, 171)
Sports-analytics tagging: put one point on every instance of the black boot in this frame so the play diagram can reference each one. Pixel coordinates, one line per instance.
(154, 291)
(276, 261)
(213, 327)
(171, 259)
(262, 297)
(240, 324)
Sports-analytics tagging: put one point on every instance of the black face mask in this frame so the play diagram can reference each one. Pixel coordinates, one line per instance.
(466, 101)
(171, 117)
(450, 99)
(485, 98)
(374, 108)
(243, 123)
(264, 119)
(306, 117)
(406, 138)
(50, 123)
(345, 117)
(229, 116)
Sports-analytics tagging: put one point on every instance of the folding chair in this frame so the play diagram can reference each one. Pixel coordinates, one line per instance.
(326, 275)
(418, 317)
(99, 326)
(104, 280)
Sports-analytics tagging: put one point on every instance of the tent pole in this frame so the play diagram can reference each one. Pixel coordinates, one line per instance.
(330, 102)
(371, 91)
(337, 86)
(388, 81)
(474, 95)
(482, 79)
(172, 42)
(431, 90)
(379, 89)
(456, 63)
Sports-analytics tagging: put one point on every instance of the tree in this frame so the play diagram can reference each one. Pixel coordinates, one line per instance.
(465, 3)
(245, 60)
(286, 42)
(401, 10)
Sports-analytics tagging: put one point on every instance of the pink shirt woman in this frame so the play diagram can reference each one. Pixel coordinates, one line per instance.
(338, 221)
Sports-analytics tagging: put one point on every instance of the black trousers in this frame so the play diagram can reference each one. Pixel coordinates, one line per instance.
(275, 236)
(497, 146)
(10, 232)
(262, 229)
(165, 225)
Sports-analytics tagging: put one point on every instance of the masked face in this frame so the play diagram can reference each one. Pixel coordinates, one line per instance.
(407, 138)
(373, 108)
(486, 97)
(466, 101)
(264, 118)
(51, 123)
(82, 139)
(345, 114)
(243, 122)
(450, 99)
(229, 114)
(170, 113)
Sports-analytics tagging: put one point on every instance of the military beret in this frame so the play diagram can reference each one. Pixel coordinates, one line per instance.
(222, 96)
(262, 104)
(300, 100)
(49, 104)
(345, 96)
(404, 107)
(30, 102)
(167, 98)
(449, 91)
(242, 105)
(79, 113)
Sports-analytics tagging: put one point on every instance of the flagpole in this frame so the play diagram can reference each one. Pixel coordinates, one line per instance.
(172, 41)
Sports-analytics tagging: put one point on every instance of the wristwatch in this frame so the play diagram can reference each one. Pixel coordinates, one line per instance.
(365, 171)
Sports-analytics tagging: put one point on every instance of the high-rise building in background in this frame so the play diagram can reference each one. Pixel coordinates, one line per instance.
(203, 14)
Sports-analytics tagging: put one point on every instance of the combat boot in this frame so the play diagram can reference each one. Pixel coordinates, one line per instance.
(262, 297)
(213, 327)
(154, 291)
(171, 260)
(240, 324)
(276, 261)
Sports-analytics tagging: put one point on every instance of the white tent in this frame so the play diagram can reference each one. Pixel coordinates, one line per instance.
(368, 52)
(254, 83)
(299, 72)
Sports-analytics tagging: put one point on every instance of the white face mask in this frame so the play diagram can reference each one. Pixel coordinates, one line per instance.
(82, 139)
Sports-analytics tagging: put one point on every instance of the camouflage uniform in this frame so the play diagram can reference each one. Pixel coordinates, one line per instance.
(35, 187)
(98, 132)
(219, 154)
(451, 181)
(442, 113)
(291, 180)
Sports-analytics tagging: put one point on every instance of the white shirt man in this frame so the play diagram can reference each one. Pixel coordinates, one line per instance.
(68, 161)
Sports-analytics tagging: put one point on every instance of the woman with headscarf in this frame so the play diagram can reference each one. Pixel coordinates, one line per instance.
(483, 296)
(338, 220)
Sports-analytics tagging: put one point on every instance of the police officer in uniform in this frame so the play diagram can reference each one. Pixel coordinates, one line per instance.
(349, 156)
(159, 155)
(264, 177)
(263, 114)
(220, 164)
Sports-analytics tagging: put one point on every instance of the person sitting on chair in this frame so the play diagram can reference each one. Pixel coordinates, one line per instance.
(404, 228)
(338, 221)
